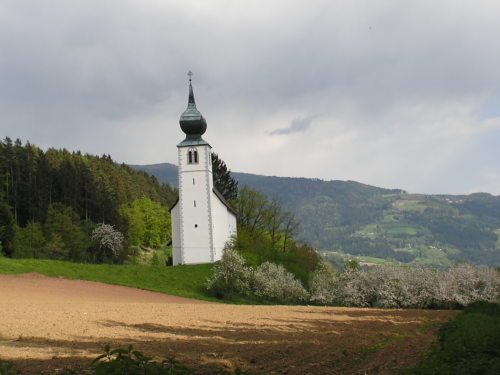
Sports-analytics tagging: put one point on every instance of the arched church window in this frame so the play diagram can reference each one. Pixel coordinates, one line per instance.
(192, 156)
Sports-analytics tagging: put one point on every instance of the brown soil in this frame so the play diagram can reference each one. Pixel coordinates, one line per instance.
(49, 323)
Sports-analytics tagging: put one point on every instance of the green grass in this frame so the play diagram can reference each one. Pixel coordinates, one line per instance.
(410, 203)
(369, 231)
(467, 345)
(399, 230)
(184, 281)
(431, 256)
(371, 260)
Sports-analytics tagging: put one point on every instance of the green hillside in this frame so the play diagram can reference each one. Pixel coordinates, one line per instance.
(377, 225)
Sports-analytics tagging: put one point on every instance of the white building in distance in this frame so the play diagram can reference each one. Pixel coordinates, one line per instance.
(202, 220)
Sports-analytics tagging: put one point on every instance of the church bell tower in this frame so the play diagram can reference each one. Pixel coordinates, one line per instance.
(202, 220)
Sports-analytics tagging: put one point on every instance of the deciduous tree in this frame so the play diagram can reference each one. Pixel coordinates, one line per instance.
(108, 243)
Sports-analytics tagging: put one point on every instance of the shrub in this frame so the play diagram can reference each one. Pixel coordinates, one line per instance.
(269, 281)
(392, 286)
(389, 286)
(355, 289)
(273, 282)
(28, 242)
(323, 285)
(402, 287)
(464, 284)
(231, 276)
(64, 236)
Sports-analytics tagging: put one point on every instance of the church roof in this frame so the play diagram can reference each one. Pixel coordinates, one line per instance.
(218, 194)
(175, 204)
(196, 141)
(191, 121)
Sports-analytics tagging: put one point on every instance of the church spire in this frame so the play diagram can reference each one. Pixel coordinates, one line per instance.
(191, 94)
(191, 121)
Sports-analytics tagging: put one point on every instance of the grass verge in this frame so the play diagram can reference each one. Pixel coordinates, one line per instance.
(467, 345)
(183, 281)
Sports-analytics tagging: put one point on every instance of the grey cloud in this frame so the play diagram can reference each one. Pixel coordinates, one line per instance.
(298, 125)
(100, 76)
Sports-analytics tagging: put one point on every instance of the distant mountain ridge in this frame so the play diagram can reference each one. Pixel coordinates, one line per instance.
(342, 218)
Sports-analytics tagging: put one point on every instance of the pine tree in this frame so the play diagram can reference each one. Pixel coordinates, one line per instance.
(223, 181)
(6, 228)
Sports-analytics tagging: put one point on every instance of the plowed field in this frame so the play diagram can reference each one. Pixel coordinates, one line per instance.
(48, 324)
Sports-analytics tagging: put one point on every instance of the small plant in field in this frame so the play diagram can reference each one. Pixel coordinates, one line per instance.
(132, 362)
(5, 368)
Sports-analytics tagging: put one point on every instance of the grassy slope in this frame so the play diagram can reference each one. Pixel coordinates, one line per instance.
(468, 344)
(184, 281)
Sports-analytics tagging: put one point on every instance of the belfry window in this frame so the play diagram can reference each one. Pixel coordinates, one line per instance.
(192, 156)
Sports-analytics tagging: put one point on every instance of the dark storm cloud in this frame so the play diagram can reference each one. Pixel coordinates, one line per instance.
(298, 125)
(386, 76)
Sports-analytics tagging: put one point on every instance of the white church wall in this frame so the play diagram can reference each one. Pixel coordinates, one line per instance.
(176, 235)
(219, 226)
(194, 201)
(232, 223)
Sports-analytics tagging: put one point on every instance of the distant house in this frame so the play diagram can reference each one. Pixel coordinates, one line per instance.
(202, 220)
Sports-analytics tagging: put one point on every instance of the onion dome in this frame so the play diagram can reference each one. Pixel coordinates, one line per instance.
(191, 121)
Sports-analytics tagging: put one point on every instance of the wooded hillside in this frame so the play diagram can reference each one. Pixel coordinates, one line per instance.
(343, 218)
(49, 199)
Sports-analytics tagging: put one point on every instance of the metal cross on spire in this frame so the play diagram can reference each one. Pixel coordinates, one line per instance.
(190, 74)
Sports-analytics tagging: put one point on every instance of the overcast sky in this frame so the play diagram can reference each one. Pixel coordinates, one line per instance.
(394, 93)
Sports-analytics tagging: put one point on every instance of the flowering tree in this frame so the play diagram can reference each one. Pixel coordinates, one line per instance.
(273, 282)
(323, 284)
(231, 275)
(417, 287)
(108, 243)
(269, 281)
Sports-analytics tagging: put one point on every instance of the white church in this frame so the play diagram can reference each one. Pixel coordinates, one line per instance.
(202, 220)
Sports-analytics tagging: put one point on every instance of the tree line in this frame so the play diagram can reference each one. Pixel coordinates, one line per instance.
(50, 201)
(54, 203)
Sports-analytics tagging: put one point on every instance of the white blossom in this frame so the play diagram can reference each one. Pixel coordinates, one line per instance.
(108, 240)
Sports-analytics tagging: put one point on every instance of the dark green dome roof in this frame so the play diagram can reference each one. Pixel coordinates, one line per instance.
(191, 121)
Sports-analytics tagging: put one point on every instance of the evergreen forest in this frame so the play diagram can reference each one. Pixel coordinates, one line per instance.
(51, 201)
